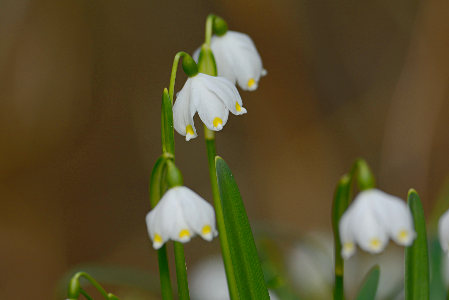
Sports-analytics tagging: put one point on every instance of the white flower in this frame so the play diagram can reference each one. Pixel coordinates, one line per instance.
(213, 98)
(372, 219)
(443, 231)
(237, 59)
(179, 216)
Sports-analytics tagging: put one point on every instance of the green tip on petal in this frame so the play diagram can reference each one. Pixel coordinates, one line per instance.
(220, 26)
(189, 66)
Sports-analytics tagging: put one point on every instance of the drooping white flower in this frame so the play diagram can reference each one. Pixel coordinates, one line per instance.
(212, 97)
(372, 219)
(179, 216)
(237, 59)
(443, 231)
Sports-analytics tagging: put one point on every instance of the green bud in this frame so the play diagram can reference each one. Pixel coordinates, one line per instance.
(174, 176)
(206, 61)
(189, 65)
(220, 26)
(365, 178)
(74, 287)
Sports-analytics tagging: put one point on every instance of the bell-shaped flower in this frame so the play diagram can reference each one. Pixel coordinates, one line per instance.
(372, 219)
(212, 97)
(237, 59)
(180, 215)
(443, 231)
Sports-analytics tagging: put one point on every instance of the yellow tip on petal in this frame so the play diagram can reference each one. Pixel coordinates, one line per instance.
(375, 244)
(189, 130)
(348, 247)
(206, 229)
(157, 238)
(403, 236)
(237, 106)
(251, 82)
(184, 233)
(217, 121)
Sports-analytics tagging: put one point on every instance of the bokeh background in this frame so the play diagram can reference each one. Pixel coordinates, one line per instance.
(80, 90)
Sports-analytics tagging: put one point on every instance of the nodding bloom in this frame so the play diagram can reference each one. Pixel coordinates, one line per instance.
(180, 215)
(372, 219)
(443, 231)
(237, 59)
(213, 98)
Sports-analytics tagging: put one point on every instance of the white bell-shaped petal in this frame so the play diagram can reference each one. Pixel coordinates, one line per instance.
(182, 114)
(212, 97)
(443, 231)
(373, 217)
(179, 216)
(237, 59)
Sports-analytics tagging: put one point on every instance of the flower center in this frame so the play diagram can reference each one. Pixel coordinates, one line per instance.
(237, 106)
(375, 243)
(403, 236)
(251, 82)
(206, 229)
(217, 121)
(184, 233)
(189, 130)
(157, 238)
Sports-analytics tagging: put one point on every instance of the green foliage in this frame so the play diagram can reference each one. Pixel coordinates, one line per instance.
(416, 255)
(247, 268)
(369, 287)
(167, 135)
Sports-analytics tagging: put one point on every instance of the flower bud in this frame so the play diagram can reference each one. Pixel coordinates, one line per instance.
(220, 26)
(174, 176)
(189, 66)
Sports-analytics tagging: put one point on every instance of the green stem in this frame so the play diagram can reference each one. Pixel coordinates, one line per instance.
(174, 69)
(181, 271)
(209, 29)
(76, 278)
(341, 201)
(155, 195)
(224, 244)
(85, 294)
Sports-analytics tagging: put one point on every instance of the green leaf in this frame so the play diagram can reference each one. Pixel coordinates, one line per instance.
(369, 287)
(168, 140)
(245, 259)
(416, 256)
(341, 202)
(437, 286)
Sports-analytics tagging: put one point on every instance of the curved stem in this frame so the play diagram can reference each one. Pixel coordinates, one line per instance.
(224, 243)
(85, 294)
(181, 271)
(209, 29)
(92, 281)
(174, 69)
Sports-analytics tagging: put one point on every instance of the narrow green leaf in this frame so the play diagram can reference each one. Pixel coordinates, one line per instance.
(369, 287)
(245, 259)
(416, 256)
(437, 286)
(168, 140)
(341, 202)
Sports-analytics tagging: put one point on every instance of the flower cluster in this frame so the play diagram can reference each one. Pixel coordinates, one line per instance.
(237, 60)
(372, 219)
(179, 216)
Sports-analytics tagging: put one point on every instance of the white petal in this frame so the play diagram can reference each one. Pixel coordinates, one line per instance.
(154, 230)
(346, 236)
(183, 113)
(368, 231)
(228, 94)
(237, 59)
(443, 231)
(210, 107)
(198, 213)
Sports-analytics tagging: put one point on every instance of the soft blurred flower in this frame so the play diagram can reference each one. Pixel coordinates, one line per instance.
(443, 231)
(237, 59)
(179, 216)
(213, 98)
(372, 219)
(208, 280)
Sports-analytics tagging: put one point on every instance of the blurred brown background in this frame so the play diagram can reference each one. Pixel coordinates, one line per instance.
(80, 90)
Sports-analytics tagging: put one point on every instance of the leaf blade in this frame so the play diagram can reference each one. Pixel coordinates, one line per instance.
(369, 287)
(248, 270)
